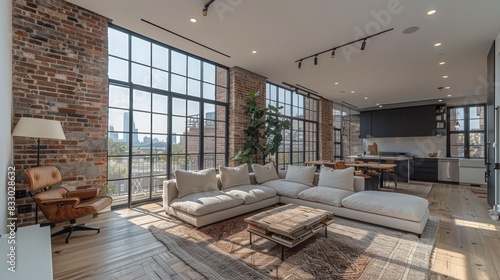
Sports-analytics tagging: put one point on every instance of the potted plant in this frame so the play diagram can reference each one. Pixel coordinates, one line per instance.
(263, 134)
(106, 189)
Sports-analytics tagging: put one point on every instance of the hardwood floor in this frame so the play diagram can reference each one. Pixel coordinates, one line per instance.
(467, 246)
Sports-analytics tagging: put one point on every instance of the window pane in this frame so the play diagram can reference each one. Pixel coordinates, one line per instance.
(141, 144)
(178, 63)
(160, 123)
(221, 94)
(194, 68)
(194, 88)
(160, 164)
(160, 144)
(194, 109)
(118, 97)
(118, 120)
(141, 75)
(118, 69)
(160, 79)
(141, 166)
(476, 124)
(179, 107)
(209, 72)
(209, 161)
(160, 57)
(220, 145)
(457, 151)
(208, 91)
(141, 51)
(142, 100)
(192, 162)
(117, 43)
(178, 125)
(193, 144)
(142, 122)
(209, 144)
(117, 143)
(178, 84)
(160, 104)
(221, 77)
(117, 167)
(178, 162)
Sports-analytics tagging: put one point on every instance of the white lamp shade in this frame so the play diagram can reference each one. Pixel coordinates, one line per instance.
(39, 128)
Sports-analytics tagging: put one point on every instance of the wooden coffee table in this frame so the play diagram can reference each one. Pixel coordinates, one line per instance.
(289, 225)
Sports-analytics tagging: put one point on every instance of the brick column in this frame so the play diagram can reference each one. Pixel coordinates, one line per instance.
(325, 129)
(60, 73)
(242, 82)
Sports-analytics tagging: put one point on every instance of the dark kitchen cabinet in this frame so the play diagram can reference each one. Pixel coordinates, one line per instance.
(408, 122)
(425, 169)
(426, 124)
(365, 120)
(393, 123)
(379, 125)
(401, 122)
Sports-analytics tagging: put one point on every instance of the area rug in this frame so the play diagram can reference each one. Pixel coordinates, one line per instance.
(353, 250)
(421, 189)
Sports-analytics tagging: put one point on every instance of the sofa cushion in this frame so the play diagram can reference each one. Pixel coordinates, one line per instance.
(401, 206)
(199, 204)
(234, 176)
(325, 195)
(251, 193)
(264, 173)
(284, 188)
(337, 178)
(300, 174)
(189, 182)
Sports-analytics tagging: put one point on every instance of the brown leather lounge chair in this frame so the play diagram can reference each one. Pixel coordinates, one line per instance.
(59, 204)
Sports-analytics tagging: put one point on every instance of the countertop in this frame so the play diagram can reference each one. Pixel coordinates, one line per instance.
(396, 158)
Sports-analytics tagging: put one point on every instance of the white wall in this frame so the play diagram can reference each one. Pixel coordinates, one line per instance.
(5, 104)
(497, 103)
(414, 146)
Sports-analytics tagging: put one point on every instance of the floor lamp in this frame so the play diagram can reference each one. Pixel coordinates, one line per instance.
(38, 128)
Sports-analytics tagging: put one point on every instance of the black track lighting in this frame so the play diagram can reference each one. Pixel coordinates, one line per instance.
(363, 45)
(300, 64)
(205, 10)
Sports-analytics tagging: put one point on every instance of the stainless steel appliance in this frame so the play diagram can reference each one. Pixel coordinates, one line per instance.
(448, 170)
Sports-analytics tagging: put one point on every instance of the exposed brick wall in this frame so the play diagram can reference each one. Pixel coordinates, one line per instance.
(60, 73)
(242, 82)
(325, 129)
(352, 144)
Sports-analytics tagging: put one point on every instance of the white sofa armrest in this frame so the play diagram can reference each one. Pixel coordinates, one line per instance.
(359, 184)
(170, 192)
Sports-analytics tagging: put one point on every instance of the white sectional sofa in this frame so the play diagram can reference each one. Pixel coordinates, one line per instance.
(399, 211)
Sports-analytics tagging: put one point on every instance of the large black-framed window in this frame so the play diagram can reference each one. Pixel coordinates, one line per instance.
(466, 131)
(337, 134)
(168, 110)
(300, 142)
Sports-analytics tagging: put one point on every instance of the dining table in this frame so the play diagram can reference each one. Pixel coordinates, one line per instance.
(380, 167)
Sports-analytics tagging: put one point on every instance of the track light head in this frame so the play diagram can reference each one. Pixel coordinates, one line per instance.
(316, 60)
(363, 45)
(205, 11)
(333, 53)
(300, 64)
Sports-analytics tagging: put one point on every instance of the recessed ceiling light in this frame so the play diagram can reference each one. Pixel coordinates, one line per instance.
(447, 87)
(380, 106)
(193, 20)
(442, 63)
(254, 51)
(353, 91)
(431, 12)
(445, 77)
(336, 83)
(437, 44)
(449, 95)
(377, 104)
(366, 97)
(440, 100)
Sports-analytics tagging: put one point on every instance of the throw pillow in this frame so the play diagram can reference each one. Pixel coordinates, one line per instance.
(300, 174)
(234, 176)
(337, 178)
(264, 173)
(189, 182)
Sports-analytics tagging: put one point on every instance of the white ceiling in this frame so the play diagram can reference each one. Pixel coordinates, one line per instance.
(393, 68)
